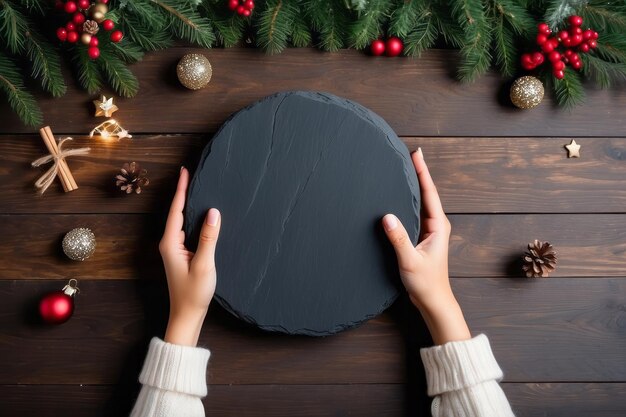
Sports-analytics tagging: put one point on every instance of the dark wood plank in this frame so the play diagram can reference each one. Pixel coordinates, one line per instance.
(588, 245)
(474, 175)
(417, 97)
(390, 400)
(549, 330)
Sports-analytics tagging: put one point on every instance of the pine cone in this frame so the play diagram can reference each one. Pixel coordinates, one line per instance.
(132, 178)
(540, 259)
(90, 27)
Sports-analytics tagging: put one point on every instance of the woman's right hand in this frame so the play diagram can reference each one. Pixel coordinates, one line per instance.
(424, 268)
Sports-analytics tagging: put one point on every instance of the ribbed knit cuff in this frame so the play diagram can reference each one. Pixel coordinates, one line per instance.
(176, 368)
(457, 365)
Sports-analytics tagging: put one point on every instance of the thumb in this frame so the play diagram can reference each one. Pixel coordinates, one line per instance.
(205, 254)
(399, 238)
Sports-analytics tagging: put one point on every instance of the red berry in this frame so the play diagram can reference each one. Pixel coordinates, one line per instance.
(394, 46)
(70, 7)
(541, 39)
(232, 4)
(62, 34)
(559, 74)
(558, 65)
(584, 47)
(58, 4)
(595, 35)
(537, 58)
(78, 18)
(377, 47)
(575, 57)
(567, 42)
(575, 20)
(576, 65)
(93, 41)
(246, 13)
(72, 37)
(104, 1)
(568, 53)
(554, 56)
(592, 43)
(70, 26)
(108, 25)
(547, 47)
(84, 4)
(527, 61)
(240, 9)
(528, 66)
(249, 4)
(588, 34)
(563, 34)
(544, 28)
(576, 39)
(93, 52)
(117, 36)
(576, 31)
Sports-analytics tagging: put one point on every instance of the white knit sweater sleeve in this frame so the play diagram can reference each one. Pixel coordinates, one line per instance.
(463, 377)
(173, 381)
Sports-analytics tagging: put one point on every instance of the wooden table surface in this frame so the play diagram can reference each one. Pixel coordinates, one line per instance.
(504, 179)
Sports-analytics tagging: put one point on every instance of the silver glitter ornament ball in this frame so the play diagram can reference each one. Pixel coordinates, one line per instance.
(527, 92)
(79, 244)
(194, 71)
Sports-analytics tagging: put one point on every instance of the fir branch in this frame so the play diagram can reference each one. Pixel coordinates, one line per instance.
(423, 35)
(118, 75)
(450, 30)
(604, 73)
(300, 32)
(128, 51)
(603, 20)
(612, 47)
(404, 18)
(187, 24)
(558, 11)
(330, 19)
(36, 6)
(22, 102)
(88, 74)
(274, 24)
(569, 91)
(516, 16)
(504, 50)
(143, 13)
(228, 27)
(144, 36)
(367, 27)
(13, 26)
(46, 64)
(475, 51)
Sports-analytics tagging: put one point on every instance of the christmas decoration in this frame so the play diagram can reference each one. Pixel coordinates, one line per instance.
(104, 107)
(79, 243)
(573, 150)
(487, 34)
(110, 129)
(194, 71)
(132, 178)
(59, 166)
(57, 307)
(526, 92)
(558, 57)
(540, 259)
(242, 7)
(393, 46)
(378, 47)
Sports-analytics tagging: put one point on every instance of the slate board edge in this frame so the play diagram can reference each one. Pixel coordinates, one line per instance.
(395, 143)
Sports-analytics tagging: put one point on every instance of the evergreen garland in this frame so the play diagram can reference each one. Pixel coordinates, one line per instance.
(488, 33)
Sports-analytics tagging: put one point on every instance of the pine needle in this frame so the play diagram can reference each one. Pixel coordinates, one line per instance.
(422, 37)
(404, 19)
(22, 102)
(118, 75)
(367, 27)
(228, 27)
(46, 64)
(274, 25)
(605, 74)
(504, 50)
(187, 24)
(88, 74)
(569, 91)
(330, 19)
(13, 26)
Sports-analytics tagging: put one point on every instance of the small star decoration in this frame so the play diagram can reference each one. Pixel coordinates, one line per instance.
(573, 150)
(104, 107)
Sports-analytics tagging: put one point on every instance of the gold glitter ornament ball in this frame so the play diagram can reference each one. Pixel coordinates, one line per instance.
(79, 244)
(194, 71)
(526, 92)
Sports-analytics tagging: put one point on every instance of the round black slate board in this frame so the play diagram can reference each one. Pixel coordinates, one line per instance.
(302, 180)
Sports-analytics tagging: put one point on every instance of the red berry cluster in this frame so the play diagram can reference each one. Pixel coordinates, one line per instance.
(393, 47)
(243, 7)
(575, 37)
(75, 28)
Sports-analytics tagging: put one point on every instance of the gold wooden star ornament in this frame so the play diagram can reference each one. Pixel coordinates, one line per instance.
(104, 107)
(573, 150)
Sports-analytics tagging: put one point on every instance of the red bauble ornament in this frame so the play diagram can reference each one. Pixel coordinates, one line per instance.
(117, 36)
(108, 25)
(93, 52)
(377, 47)
(558, 74)
(84, 4)
(93, 41)
(576, 64)
(249, 4)
(78, 18)
(394, 46)
(62, 34)
(70, 7)
(57, 307)
(575, 20)
(70, 26)
(246, 13)
(72, 37)
(232, 4)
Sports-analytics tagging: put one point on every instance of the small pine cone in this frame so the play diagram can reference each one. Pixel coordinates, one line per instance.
(91, 27)
(132, 178)
(540, 259)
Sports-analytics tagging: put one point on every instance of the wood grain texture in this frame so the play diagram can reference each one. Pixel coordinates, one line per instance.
(417, 97)
(473, 175)
(588, 245)
(389, 400)
(565, 331)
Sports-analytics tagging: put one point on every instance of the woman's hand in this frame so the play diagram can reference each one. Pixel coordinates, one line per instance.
(424, 268)
(191, 278)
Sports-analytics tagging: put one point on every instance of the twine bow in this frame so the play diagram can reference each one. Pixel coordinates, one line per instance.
(46, 179)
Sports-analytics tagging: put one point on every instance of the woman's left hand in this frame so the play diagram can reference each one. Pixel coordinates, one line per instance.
(191, 277)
